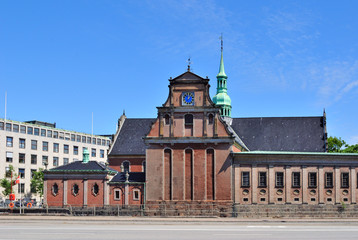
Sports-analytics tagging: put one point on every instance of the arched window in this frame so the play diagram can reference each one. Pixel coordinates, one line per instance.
(75, 189)
(95, 189)
(125, 166)
(211, 118)
(167, 119)
(54, 189)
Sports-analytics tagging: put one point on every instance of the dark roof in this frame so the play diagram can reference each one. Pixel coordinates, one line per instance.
(138, 177)
(79, 166)
(298, 134)
(130, 138)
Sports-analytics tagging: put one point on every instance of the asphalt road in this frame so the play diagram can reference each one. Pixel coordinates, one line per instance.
(170, 230)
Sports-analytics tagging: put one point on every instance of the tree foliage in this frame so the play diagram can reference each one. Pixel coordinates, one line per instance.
(7, 181)
(37, 182)
(335, 144)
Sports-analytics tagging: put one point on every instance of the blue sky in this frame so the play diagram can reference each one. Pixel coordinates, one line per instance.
(62, 60)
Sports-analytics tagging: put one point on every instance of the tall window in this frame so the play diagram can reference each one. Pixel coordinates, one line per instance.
(136, 194)
(44, 160)
(245, 179)
(21, 188)
(21, 143)
(167, 119)
(312, 179)
(345, 180)
(101, 153)
(9, 141)
(84, 139)
(45, 146)
(8, 127)
(33, 144)
(22, 129)
(296, 179)
(125, 166)
(211, 118)
(49, 133)
(95, 189)
(55, 134)
(21, 158)
(279, 179)
(15, 128)
(22, 172)
(56, 147)
(30, 130)
(93, 152)
(262, 179)
(43, 132)
(117, 194)
(328, 179)
(36, 131)
(189, 119)
(65, 161)
(33, 159)
(54, 189)
(65, 148)
(75, 150)
(75, 189)
(55, 161)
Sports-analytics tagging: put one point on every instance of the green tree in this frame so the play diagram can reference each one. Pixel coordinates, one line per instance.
(335, 144)
(7, 181)
(37, 182)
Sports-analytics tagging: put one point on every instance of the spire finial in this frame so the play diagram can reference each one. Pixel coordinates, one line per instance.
(222, 42)
(189, 63)
(124, 112)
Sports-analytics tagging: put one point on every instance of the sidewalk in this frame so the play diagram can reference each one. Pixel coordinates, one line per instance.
(167, 220)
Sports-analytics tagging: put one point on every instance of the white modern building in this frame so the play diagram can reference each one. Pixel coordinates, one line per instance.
(29, 146)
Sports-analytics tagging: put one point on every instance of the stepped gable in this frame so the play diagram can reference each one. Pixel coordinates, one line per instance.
(79, 166)
(296, 134)
(130, 138)
(134, 177)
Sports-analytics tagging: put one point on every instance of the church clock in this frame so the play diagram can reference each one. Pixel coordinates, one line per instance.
(188, 98)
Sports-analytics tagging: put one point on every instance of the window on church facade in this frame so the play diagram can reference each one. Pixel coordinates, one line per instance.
(54, 189)
(345, 180)
(296, 179)
(189, 119)
(279, 179)
(312, 179)
(75, 189)
(125, 165)
(117, 194)
(329, 179)
(262, 179)
(167, 119)
(245, 179)
(95, 189)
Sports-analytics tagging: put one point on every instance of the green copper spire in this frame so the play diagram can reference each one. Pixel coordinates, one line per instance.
(85, 156)
(222, 99)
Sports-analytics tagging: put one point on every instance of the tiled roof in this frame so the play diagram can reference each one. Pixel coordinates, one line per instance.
(293, 134)
(130, 138)
(79, 166)
(138, 177)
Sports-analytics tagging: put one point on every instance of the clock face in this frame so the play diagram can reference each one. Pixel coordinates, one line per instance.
(188, 98)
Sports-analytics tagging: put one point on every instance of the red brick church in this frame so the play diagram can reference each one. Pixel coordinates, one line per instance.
(195, 152)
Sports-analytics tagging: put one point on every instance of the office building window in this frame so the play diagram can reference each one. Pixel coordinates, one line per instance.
(36, 132)
(101, 153)
(22, 172)
(296, 179)
(98, 141)
(78, 137)
(67, 136)
(55, 161)
(32, 172)
(55, 134)
(75, 150)
(49, 133)
(33, 144)
(279, 179)
(345, 180)
(262, 179)
(108, 142)
(245, 179)
(93, 141)
(22, 129)
(15, 128)
(43, 132)
(103, 142)
(44, 160)
(21, 188)
(33, 159)
(66, 148)
(1, 125)
(65, 161)
(21, 143)
(89, 139)
(61, 135)
(30, 130)
(93, 152)
(312, 179)
(8, 127)
(7, 172)
(56, 147)
(45, 146)
(83, 139)
(21, 158)
(73, 137)
(9, 141)
(9, 157)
